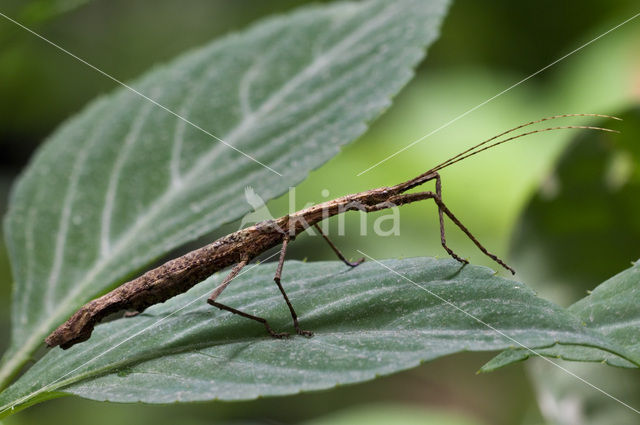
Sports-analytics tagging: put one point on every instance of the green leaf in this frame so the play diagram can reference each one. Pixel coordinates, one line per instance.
(612, 310)
(368, 321)
(124, 182)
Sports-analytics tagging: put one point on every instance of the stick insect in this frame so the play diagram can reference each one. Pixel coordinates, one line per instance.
(237, 249)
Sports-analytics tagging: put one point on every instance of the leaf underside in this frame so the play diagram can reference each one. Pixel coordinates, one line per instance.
(124, 182)
(369, 321)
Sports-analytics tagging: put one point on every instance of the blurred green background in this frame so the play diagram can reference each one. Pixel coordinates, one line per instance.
(484, 48)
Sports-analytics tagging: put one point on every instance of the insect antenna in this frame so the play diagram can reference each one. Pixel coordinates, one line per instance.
(464, 153)
(486, 144)
(474, 150)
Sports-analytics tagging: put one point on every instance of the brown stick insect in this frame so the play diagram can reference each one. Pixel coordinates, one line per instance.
(237, 249)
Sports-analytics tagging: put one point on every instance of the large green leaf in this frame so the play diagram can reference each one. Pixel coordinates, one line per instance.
(369, 321)
(124, 182)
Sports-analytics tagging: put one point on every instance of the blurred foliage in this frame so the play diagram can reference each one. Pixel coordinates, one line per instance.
(38, 11)
(485, 47)
(391, 414)
(583, 227)
(580, 229)
(564, 400)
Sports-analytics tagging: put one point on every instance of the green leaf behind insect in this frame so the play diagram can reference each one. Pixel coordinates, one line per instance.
(124, 182)
(369, 321)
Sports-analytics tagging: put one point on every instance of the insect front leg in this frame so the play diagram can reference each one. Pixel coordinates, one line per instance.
(397, 200)
(443, 239)
(408, 198)
(442, 207)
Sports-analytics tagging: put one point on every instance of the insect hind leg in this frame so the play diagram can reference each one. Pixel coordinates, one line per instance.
(216, 293)
(248, 316)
